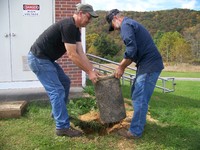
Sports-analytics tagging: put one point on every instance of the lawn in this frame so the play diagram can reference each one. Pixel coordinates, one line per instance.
(176, 74)
(180, 74)
(177, 126)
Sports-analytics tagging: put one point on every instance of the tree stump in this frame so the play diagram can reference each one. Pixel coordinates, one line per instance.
(109, 99)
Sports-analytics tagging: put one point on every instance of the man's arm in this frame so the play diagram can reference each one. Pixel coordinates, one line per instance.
(119, 71)
(76, 54)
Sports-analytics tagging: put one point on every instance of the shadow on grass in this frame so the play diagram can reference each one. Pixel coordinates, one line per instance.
(39, 103)
(174, 137)
(91, 127)
(174, 101)
(180, 118)
(36, 107)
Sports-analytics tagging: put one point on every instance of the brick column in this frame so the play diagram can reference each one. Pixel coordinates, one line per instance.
(63, 9)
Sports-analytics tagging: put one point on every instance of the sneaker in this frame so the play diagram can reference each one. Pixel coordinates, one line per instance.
(127, 134)
(71, 132)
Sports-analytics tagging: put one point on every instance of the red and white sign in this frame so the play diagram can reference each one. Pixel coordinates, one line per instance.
(31, 10)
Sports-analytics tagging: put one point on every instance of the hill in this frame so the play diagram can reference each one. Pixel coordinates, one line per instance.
(165, 20)
(175, 32)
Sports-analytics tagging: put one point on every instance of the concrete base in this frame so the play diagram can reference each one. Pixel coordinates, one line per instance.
(32, 94)
(12, 109)
(28, 91)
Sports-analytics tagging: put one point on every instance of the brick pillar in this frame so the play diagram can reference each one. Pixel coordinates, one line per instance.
(63, 9)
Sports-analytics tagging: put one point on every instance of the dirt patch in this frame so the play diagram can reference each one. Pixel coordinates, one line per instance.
(94, 116)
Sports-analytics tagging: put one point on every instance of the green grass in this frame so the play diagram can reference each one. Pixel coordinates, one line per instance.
(180, 74)
(180, 112)
(176, 74)
(178, 115)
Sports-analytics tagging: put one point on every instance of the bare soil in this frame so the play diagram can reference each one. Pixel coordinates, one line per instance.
(114, 127)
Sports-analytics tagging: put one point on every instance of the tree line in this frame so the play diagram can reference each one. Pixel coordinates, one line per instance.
(176, 33)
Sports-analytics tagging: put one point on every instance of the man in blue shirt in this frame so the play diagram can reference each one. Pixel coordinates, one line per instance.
(140, 49)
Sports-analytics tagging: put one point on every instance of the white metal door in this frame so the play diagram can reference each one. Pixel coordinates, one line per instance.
(5, 60)
(27, 19)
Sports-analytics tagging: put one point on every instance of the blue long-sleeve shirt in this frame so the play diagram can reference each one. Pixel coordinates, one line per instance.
(140, 47)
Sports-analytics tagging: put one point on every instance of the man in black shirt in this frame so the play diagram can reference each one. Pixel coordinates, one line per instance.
(63, 36)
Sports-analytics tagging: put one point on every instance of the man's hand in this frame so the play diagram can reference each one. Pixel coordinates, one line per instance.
(119, 71)
(93, 76)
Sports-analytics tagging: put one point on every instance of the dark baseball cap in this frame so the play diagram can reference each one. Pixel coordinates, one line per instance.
(86, 8)
(110, 16)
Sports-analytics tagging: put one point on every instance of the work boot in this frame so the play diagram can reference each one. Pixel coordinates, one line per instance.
(127, 134)
(71, 132)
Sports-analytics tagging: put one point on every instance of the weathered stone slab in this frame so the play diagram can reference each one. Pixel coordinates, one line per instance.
(110, 100)
(12, 109)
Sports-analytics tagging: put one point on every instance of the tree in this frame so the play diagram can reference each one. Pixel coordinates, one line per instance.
(158, 35)
(165, 46)
(182, 51)
(192, 35)
(90, 38)
(105, 46)
(174, 48)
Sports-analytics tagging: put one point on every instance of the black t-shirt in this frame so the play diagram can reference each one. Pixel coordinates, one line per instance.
(50, 44)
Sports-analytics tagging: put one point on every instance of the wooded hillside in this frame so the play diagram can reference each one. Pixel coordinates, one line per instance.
(181, 24)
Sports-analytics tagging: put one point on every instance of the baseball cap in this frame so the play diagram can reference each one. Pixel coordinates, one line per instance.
(86, 8)
(110, 16)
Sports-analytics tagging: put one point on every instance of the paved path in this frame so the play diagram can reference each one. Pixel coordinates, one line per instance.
(188, 79)
(28, 91)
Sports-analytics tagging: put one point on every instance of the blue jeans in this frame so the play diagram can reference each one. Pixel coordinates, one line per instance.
(142, 89)
(56, 84)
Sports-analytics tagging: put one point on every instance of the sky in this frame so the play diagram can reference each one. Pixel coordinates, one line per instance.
(143, 5)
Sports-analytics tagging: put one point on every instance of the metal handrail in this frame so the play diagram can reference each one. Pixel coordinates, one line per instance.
(128, 76)
(109, 61)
